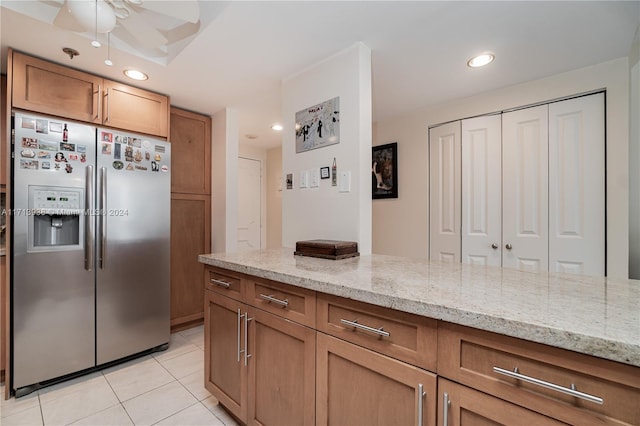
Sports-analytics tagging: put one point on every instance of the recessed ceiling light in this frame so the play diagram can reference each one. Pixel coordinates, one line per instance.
(135, 74)
(251, 136)
(277, 127)
(481, 60)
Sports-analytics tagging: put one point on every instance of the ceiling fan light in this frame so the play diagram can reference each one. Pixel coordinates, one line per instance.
(96, 43)
(85, 13)
(108, 62)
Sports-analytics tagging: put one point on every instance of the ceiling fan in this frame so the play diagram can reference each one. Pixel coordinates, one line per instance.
(145, 24)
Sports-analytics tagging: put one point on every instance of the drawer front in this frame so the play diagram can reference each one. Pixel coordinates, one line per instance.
(407, 337)
(541, 378)
(223, 282)
(293, 303)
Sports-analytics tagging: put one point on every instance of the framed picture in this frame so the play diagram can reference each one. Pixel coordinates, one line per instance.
(384, 171)
(318, 125)
(324, 172)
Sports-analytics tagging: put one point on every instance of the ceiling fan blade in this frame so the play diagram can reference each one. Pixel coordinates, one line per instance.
(143, 32)
(186, 10)
(64, 19)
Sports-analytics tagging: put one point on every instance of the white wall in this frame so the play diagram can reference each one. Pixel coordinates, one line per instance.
(224, 181)
(325, 213)
(274, 197)
(400, 227)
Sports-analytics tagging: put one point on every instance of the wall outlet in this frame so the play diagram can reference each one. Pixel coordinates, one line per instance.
(344, 181)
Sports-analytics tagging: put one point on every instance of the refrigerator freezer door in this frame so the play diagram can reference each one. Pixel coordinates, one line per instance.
(132, 300)
(53, 311)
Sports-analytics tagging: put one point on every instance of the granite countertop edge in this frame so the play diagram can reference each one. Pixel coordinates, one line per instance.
(610, 349)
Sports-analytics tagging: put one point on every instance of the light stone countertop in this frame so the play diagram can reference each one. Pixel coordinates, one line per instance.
(595, 316)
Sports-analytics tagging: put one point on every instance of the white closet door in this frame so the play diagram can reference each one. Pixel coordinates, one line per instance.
(525, 197)
(444, 193)
(577, 185)
(482, 190)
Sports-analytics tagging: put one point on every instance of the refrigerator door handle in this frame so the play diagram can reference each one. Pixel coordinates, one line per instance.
(89, 230)
(103, 218)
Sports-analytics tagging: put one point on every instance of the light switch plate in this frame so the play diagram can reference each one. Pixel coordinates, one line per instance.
(304, 179)
(344, 181)
(314, 178)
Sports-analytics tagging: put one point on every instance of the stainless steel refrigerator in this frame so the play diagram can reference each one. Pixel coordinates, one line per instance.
(90, 248)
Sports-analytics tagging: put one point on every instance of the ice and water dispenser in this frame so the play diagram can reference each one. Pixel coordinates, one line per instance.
(55, 218)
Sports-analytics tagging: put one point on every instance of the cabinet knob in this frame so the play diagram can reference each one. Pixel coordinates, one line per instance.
(494, 246)
(508, 246)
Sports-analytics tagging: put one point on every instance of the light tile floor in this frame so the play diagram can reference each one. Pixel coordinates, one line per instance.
(165, 388)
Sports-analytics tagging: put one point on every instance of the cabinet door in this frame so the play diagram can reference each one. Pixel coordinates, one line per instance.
(460, 405)
(576, 186)
(49, 88)
(4, 132)
(190, 152)
(481, 190)
(134, 109)
(444, 193)
(190, 236)
(356, 386)
(225, 373)
(525, 189)
(281, 371)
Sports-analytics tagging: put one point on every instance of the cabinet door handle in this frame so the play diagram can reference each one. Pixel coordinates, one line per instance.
(220, 283)
(494, 246)
(354, 324)
(445, 409)
(108, 106)
(548, 385)
(421, 395)
(508, 246)
(269, 298)
(99, 104)
(247, 355)
(239, 321)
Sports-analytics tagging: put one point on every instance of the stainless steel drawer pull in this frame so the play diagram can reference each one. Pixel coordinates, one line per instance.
(445, 409)
(569, 391)
(354, 324)
(220, 283)
(269, 298)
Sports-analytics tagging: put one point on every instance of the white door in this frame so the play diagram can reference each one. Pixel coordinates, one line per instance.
(444, 192)
(577, 186)
(249, 204)
(525, 191)
(482, 190)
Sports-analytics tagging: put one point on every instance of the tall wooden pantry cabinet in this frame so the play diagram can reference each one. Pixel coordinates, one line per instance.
(190, 214)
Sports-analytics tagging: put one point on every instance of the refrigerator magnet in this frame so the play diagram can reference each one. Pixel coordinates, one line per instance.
(44, 154)
(147, 155)
(46, 165)
(66, 146)
(117, 149)
(60, 157)
(164, 168)
(107, 137)
(49, 146)
(30, 143)
(158, 157)
(137, 157)
(159, 148)
(128, 153)
(106, 148)
(130, 166)
(81, 148)
(118, 165)
(73, 157)
(68, 168)
(83, 158)
(146, 144)
(144, 168)
(28, 123)
(42, 126)
(55, 127)
(29, 164)
(154, 166)
(27, 153)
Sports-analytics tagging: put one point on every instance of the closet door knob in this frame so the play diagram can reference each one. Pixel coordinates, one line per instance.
(508, 246)
(494, 246)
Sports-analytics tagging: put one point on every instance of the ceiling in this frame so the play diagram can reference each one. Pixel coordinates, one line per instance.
(243, 50)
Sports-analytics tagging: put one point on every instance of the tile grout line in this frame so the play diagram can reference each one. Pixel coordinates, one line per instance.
(117, 397)
(40, 407)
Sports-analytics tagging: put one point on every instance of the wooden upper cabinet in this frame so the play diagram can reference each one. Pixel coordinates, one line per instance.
(130, 108)
(190, 152)
(49, 88)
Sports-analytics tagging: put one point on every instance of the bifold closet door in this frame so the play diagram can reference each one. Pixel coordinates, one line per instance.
(482, 190)
(525, 189)
(444, 192)
(577, 186)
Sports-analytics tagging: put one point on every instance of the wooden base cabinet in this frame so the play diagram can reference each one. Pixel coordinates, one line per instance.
(462, 406)
(356, 386)
(260, 367)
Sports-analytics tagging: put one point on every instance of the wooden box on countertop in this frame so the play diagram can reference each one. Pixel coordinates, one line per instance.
(327, 249)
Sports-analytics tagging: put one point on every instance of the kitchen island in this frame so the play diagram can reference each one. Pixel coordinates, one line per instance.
(580, 326)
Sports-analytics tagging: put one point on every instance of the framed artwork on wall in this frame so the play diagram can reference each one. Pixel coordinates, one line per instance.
(384, 171)
(318, 125)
